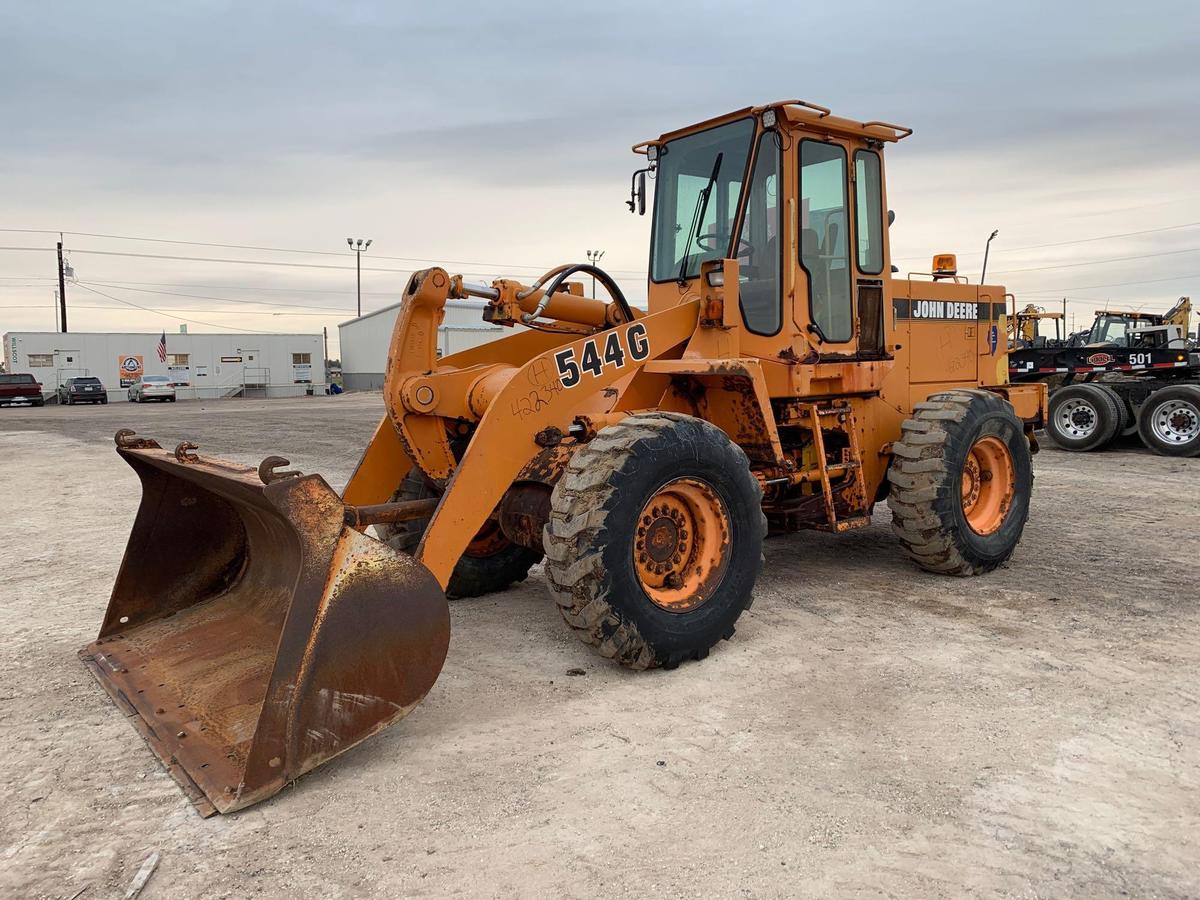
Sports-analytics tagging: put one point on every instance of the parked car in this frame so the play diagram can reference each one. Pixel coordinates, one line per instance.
(84, 389)
(151, 387)
(20, 388)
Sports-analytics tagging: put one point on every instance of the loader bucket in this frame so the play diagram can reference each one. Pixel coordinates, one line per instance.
(251, 634)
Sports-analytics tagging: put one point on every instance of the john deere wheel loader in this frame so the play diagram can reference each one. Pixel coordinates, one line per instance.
(782, 375)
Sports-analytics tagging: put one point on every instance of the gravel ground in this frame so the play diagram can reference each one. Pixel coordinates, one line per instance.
(871, 730)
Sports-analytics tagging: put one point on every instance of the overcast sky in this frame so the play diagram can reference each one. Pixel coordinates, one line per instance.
(495, 137)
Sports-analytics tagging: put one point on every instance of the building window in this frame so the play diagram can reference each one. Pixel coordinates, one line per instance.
(177, 359)
(301, 359)
(40, 360)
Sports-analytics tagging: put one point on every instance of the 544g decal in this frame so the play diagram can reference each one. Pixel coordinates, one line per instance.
(593, 359)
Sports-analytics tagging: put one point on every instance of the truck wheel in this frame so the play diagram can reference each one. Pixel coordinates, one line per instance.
(655, 539)
(961, 476)
(1169, 421)
(1083, 417)
(490, 563)
(1126, 421)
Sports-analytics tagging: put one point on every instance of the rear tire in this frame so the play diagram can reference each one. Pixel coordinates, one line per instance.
(1169, 421)
(1084, 417)
(961, 476)
(1125, 417)
(655, 539)
(494, 564)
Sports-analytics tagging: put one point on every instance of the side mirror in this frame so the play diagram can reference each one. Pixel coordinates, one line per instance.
(891, 217)
(637, 193)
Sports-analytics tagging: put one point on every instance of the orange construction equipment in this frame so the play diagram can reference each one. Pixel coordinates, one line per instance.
(781, 377)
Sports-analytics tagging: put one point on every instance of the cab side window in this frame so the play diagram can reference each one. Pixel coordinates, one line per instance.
(868, 212)
(824, 238)
(758, 250)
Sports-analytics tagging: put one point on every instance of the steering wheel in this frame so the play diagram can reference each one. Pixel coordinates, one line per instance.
(744, 247)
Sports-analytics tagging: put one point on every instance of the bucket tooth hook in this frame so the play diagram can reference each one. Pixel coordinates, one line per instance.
(127, 439)
(182, 452)
(267, 469)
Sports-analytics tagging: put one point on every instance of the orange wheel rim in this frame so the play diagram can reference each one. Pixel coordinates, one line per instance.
(681, 545)
(988, 485)
(488, 541)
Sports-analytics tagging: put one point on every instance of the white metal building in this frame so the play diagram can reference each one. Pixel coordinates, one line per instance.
(206, 366)
(365, 340)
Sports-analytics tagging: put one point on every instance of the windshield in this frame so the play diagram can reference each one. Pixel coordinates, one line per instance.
(685, 167)
(155, 379)
(1110, 330)
(85, 381)
(16, 379)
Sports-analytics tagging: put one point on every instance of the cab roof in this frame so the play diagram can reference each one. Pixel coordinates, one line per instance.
(801, 113)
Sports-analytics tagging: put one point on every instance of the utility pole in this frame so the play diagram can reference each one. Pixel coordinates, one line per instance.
(62, 289)
(357, 245)
(325, 334)
(986, 248)
(594, 258)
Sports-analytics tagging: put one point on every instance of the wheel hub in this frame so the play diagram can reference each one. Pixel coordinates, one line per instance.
(988, 485)
(1077, 418)
(681, 544)
(1176, 422)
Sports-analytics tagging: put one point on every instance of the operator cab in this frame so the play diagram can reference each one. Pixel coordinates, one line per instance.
(796, 196)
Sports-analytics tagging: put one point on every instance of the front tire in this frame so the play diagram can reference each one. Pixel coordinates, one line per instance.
(1169, 421)
(655, 539)
(490, 563)
(961, 477)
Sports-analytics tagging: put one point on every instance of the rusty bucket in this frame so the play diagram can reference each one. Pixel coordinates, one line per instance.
(252, 635)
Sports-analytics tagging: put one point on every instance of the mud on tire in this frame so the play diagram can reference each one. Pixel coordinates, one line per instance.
(477, 572)
(928, 483)
(591, 539)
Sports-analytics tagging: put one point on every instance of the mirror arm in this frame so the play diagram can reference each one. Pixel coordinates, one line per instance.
(637, 191)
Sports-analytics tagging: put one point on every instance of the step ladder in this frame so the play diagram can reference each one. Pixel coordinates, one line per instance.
(842, 420)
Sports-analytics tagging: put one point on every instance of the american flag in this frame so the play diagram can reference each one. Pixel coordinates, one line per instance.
(162, 348)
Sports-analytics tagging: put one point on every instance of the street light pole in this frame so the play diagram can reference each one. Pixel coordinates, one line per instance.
(594, 258)
(987, 247)
(358, 246)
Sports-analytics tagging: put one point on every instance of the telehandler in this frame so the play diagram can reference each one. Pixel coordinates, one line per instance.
(781, 377)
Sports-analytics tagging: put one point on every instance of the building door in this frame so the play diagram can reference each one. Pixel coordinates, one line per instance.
(68, 364)
(253, 373)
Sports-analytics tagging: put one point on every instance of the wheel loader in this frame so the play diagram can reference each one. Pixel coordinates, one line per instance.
(782, 377)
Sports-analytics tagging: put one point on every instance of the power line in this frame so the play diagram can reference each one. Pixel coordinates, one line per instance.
(425, 261)
(160, 313)
(1097, 262)
(224, 312)
(250, 262)
(1103, 237)
(335, 309)
(1088, 287)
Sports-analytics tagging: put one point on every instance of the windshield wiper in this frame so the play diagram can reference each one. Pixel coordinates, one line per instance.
(698, 216)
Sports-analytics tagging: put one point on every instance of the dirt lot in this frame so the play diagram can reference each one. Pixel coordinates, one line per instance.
(871, 730)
